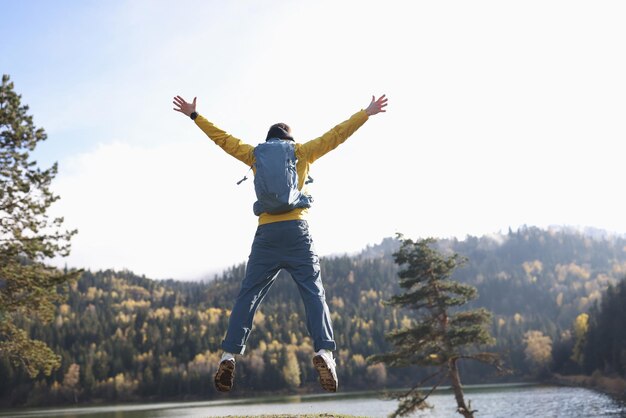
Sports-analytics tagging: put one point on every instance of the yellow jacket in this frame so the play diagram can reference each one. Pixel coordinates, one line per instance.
(306, 153)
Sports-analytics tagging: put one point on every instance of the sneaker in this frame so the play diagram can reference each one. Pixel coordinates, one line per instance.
(225, 376)
(325, 366)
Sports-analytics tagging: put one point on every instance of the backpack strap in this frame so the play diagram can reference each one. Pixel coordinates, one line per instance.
(245, 177)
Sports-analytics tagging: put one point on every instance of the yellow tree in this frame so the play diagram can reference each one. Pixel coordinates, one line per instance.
(291, 369)
(70, 382)
(538, 350)
(581, 326)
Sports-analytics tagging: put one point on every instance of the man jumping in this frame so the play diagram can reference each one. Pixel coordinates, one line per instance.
(282, 241)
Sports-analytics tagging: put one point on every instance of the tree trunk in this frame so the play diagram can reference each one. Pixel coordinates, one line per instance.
(455, 380)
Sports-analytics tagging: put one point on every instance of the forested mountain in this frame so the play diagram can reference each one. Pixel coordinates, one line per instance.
(122, 336)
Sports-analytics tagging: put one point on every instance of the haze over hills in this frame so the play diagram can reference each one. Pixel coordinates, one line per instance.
(386, 246)
(133, 337)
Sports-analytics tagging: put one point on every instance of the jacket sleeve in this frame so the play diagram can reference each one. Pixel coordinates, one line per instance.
(233, 146)
(315, 148)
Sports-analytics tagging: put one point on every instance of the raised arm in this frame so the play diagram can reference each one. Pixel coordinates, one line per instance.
(314, 149)
(233, 146)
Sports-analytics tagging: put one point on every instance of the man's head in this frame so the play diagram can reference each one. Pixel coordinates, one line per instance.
(279, 130)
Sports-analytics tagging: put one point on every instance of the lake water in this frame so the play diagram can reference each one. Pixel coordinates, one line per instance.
(502, 401)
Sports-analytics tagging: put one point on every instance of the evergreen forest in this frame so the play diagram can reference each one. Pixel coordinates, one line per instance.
(557, 297)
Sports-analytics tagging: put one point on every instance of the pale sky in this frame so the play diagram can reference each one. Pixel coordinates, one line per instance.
(500, 114)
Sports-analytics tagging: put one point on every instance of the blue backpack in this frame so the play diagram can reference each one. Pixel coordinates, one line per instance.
(276, 178)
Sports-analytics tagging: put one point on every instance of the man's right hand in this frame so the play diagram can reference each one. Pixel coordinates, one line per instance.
(183, 107)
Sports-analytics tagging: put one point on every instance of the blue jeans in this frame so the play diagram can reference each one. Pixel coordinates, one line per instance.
(281, 245)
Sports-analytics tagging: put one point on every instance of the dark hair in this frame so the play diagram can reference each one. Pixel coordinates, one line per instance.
(279, 130)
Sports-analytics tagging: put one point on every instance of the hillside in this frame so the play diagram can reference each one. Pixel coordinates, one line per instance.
(123, 337)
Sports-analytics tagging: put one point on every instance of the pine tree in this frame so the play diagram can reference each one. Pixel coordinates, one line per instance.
(440, 334)
(28, 237)
(605, 345)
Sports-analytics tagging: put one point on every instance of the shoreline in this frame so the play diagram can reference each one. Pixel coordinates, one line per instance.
(553, 399)
(612, 386)
(245, 398)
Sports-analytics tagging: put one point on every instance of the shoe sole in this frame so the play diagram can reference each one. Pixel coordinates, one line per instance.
(327, 380)
(225, 376)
